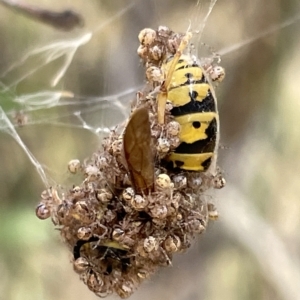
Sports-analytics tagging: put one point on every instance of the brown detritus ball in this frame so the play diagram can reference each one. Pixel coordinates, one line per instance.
(147, 36)
(81, 265)
(163, 181)
(74, 166)
(42, 211)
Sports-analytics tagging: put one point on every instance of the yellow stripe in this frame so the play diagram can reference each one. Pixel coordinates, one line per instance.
(113, 244)
(188, 133)
(181, 95)
(191, 162)
(179, 77)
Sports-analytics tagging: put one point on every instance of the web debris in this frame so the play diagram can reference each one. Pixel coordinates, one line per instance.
(7, 127)
(47, 99)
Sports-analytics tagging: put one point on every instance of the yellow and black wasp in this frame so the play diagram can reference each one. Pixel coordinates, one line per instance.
(110, 254)
(195, 109)
(188, 86)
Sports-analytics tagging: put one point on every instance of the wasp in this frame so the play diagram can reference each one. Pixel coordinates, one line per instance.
(187, 85)
(195, 109)
(110, 254)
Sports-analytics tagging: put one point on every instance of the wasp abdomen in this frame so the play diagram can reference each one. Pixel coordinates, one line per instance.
(194, 108)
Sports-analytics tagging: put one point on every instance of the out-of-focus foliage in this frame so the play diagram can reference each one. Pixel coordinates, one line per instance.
(259, 110)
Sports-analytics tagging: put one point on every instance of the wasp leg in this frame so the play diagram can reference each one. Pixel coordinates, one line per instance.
(163, 92)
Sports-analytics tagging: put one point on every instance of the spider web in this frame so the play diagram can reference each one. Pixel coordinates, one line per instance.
(40, 86)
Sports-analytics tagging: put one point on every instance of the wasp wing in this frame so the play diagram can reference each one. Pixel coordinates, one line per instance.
(138, 151)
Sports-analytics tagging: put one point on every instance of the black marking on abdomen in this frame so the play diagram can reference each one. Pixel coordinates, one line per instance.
(201, 146)
(206, 105)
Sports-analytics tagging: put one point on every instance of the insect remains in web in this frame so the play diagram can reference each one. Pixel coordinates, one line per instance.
(143, 196)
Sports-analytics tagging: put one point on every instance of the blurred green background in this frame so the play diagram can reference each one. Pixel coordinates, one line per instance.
(253, 250)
